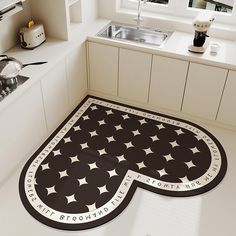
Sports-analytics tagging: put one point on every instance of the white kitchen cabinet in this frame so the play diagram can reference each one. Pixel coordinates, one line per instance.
(55, 95)
(134, 75)
(76, 75)
(103, 68)
(23, 128)
(227, 111)
(168, 79)
(204, 90)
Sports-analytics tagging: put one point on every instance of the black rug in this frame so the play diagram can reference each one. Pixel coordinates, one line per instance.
(86, 173)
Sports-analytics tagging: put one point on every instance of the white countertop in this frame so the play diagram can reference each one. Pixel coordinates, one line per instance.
(177, 47)
(54, 50)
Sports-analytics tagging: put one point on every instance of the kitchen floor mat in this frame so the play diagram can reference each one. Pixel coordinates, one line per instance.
(87, 172)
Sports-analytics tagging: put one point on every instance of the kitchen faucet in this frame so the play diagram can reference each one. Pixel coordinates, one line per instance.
(139, 18)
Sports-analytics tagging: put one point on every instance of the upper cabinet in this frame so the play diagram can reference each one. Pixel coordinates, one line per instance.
(167, 82)
(227, 112)
(204, 89)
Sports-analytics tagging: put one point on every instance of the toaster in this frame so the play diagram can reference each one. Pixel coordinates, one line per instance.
(32, 36)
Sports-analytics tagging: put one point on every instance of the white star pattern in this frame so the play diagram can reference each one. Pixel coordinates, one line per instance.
(92, 207)
(162, 172)
(184, 179)
(118, 127)
(198, 137)
(109, 112)
(76, 128)
(35, 181)
(45, 167)
(51, 190)
(125, 117)
(112, 173)
(129, 145)
(136, 132)
(85, 117)
(94, 133)
(102, 152)
(103, 189)
(93, 166)
(141, 165)
(71, 199)
(63, 174)
(110, 139)
(168, 157)
(179, 131)
(67, 140)
(56, 153)
(143, 121)
(82, 181)
(190, 164)
(101, 122)
(121, 158)
(161, 126)
(174, 144)
(94, 108)
(154, 138)
(84, 145)
(74, 159)
(148, 151)
(194, 150)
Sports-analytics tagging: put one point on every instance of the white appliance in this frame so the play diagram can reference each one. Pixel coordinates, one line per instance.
(32, 36)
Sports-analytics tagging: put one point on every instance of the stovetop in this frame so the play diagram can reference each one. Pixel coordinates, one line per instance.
(5, 90)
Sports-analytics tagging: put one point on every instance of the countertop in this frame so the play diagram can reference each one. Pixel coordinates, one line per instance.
(54, 50)
(177, 47)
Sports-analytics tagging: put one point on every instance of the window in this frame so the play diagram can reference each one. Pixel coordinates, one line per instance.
(220, 5)
(225, 12)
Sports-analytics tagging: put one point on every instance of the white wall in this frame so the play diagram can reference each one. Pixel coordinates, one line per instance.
(89, 10)
(9, 28)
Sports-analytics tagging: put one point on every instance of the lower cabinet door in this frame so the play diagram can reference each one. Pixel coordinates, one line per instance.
(204, 89)
(227, 111)
(134, 75)
(103, 68)
(22, 129)
(55, 95)
(77, 75)
(167, 82)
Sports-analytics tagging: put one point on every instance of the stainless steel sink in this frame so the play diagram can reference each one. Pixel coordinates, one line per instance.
(134, 34)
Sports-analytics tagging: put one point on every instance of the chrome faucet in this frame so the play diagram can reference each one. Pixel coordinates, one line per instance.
(139, 18)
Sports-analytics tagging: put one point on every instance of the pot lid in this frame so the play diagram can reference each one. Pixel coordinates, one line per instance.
(9, 69)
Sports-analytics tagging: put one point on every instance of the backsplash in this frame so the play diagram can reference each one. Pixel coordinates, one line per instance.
(9, 28)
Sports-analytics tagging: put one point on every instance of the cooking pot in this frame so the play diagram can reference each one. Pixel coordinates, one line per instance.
(11, 67)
